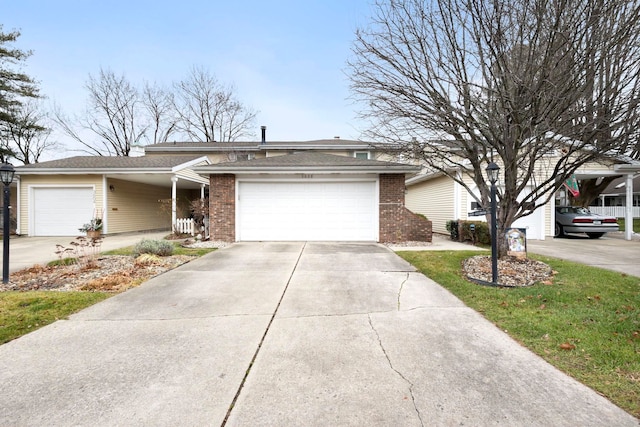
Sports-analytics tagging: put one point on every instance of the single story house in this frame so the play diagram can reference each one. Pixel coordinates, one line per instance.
(268, 190)
(56, 198)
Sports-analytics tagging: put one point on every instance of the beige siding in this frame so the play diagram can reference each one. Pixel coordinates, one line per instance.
(433, 199)
(135, 207)
(55, 181)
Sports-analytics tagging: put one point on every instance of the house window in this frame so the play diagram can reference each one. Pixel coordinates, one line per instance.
(361, 155)
(240, 156)
(245, 156)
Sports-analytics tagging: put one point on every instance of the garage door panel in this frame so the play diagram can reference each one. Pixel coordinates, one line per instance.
(307, 211)
(60, 211)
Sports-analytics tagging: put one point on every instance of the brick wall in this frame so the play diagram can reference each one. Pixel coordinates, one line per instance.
(222, 207)
(397, 223)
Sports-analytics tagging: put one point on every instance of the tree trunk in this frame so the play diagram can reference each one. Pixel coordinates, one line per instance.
(590, 189)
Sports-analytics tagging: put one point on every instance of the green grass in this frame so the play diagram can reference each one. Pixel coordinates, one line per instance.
(595, 310)
(24, 312)
(636, 224)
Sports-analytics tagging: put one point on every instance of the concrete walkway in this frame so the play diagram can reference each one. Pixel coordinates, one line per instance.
(287, 334)
(609, 252)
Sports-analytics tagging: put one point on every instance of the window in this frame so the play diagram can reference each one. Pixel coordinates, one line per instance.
(361, 155)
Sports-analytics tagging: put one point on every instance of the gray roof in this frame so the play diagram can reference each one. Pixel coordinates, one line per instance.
(308, 161)
(257, 145)
(100, 163)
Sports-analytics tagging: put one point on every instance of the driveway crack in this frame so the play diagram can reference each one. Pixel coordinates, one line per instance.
(264, 336)
(400, 290)
(405, 379)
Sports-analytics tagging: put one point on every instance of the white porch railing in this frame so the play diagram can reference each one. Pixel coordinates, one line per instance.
(188, 226)
(617, 211)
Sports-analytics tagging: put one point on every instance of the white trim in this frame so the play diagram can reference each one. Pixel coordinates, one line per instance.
(628, 217)
(174, 208)
(457, 197)
(190, 163)
(18, 205)
(105, 211)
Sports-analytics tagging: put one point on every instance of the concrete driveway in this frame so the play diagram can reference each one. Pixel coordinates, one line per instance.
(610, 252)
(287, 334)
(25, 251)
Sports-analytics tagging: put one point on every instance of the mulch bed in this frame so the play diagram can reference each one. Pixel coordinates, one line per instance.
(512, 271)
(110, 273)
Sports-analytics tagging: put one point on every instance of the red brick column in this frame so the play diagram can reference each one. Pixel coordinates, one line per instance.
(397, 223)
(222, 207)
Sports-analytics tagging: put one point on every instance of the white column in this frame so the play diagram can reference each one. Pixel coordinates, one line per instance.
(202, 191)
(628, 212)
(174, 196)
(18, 205)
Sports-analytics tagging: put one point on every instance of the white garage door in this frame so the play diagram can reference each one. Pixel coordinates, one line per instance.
(534, 224)
(60, 211)
(339, 211)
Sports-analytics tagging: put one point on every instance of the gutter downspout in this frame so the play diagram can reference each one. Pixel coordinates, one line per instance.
(174, 194)
(628, 212)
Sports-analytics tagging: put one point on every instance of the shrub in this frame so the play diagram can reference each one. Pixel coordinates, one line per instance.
(452, 228)
(479, 234)
(156, 247)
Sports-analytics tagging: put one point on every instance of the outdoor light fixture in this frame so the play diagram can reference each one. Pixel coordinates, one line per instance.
(493, 170)
(6, 176)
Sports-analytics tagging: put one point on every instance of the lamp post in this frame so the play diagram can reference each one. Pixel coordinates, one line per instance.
(492, 173)
(6, 176)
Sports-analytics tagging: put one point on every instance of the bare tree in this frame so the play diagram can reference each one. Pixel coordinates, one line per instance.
(114, 118)
(529, 84)
(210, 111)
(158, 104)
(28, 136)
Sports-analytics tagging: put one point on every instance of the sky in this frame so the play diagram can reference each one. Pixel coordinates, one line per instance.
(286, 58)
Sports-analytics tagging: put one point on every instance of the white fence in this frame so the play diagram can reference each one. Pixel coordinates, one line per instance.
(188, 226)
(617, 211)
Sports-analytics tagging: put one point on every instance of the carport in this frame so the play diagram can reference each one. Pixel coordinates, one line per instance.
(629, 170)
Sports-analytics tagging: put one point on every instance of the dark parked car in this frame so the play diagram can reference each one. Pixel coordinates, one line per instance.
(573, 219)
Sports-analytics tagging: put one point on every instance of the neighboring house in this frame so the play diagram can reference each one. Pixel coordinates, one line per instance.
(310, 190)
(616, 195)
(441, 199)
(56, 198)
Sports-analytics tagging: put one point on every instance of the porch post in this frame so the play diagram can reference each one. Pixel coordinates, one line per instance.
(628, 212)
(174, 193)
(201, 191)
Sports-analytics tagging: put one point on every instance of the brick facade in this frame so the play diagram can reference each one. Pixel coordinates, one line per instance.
(222, 207)
(397, 223)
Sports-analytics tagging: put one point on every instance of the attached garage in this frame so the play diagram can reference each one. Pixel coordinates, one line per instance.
(311, 196)
(60, 211)
(324, 210)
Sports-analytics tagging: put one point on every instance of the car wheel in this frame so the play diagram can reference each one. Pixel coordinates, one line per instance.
(595, 235)
(559, 232)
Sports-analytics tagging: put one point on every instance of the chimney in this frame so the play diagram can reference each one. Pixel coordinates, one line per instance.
(264, 134)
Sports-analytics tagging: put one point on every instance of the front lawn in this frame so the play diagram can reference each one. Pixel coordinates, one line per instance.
(24, 312)
(587, 323)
